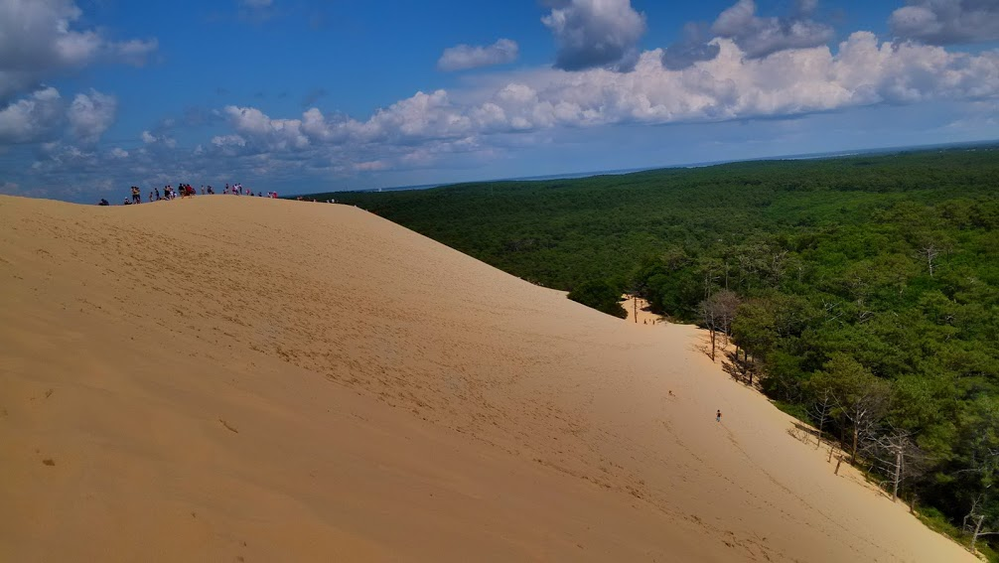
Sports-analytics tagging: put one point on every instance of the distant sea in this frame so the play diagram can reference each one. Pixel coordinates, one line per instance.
(806, 156)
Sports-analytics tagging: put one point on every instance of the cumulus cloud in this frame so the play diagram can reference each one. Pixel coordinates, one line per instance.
(90, 115)
(38, 40)
(595, 33)
(162, 139)
(33, 118)
(694, 46)
(759, 36)
(944, 22)
(496, 113)
(464, 57)
(229, 145)
(731, 86)
(432, 127)
(278, 134)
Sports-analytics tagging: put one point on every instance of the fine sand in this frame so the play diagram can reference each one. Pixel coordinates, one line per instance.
(243, 379)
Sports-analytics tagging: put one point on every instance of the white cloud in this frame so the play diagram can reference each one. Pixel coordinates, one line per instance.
(134, 52)
(163, 139)
(118, 153)
(31, 119)
(694, 46)
(38, 39)
(759, 37)
(732, 86)
(494, 114)
(90, 115)
(943, 22)
(595, 33)
(228, 141)
(229, 145)
(464, 57)
(278, 134)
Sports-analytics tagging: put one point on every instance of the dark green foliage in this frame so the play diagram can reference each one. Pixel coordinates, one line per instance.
(600, 295)
(872, 273)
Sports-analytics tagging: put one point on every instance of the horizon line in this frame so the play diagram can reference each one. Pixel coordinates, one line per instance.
(702, 164)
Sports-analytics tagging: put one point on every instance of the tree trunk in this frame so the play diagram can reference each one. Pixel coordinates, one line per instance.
(818, 440)
(856, 437)
(712, 344)
(898, 474)
(978, 528)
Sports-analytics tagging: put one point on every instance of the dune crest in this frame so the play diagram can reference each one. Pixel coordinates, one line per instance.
(231, 378)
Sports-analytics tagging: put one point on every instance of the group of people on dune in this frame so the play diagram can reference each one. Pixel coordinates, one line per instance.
(185, 190)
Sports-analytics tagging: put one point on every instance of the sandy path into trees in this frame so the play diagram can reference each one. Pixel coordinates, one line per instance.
(241, 379)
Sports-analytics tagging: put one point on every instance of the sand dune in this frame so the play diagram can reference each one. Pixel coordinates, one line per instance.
(240, 379)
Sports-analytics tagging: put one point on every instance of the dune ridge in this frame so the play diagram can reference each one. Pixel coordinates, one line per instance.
(222, 378)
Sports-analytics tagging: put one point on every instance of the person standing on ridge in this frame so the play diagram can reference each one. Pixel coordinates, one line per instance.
(136, 196)
(718, 416)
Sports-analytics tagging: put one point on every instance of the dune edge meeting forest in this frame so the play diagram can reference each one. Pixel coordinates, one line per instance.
(865, 283)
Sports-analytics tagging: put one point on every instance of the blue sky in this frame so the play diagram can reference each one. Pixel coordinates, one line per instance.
(311, 95)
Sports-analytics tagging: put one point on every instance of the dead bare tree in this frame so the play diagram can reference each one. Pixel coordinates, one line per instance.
(822, 410)
(776, 266)
(896, 455)
(863, 408)
(974, 528)
(710, 320)
(930, 252)
(717, 313)
(727, 303)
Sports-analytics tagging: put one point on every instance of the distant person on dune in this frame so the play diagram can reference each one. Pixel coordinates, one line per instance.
(136, 196)
(718, 416)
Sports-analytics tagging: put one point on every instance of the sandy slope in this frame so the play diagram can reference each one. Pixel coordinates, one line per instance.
(225, 379)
